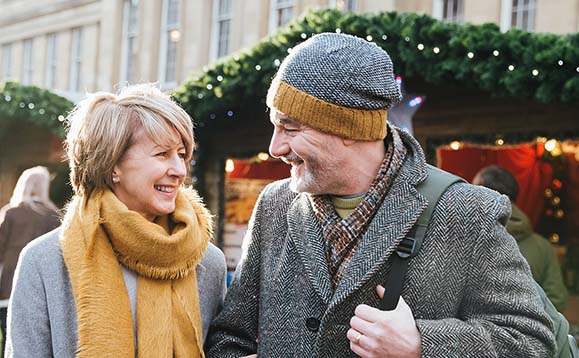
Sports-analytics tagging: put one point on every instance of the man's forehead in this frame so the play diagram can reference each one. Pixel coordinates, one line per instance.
(282, 119)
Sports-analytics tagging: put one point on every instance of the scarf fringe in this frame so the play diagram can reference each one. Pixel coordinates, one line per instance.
(174, 272)
(102, 302)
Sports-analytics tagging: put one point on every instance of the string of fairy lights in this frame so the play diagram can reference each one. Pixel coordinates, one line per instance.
(213, 85)
(34, 104)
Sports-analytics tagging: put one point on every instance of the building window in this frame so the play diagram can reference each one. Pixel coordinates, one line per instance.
(51, 53)
(171, 35)
(448, 10)
(519, 14)
(28, 69)
(129, 68)
(344, 5)
(222, 28)
(75, 60)
(6, 61)
(523, 14)
(281, 12)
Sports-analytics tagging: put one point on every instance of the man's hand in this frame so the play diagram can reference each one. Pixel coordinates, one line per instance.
(385, 334)
(250, 356)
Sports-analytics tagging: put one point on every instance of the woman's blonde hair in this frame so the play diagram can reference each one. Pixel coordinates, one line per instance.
(32, 189)
(101, 128)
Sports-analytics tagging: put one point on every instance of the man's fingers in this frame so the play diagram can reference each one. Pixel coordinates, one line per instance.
(401, 303)
(361, 325)
(367, 313)
(353, 335)
(380, 291)
(359, 350)
(356, 343)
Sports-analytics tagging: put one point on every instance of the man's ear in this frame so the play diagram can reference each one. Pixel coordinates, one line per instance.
(348, 142)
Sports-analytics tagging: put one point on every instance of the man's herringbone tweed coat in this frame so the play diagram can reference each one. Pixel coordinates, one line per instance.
(469, 288)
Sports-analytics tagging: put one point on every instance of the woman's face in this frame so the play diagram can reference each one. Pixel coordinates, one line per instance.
(147, 177)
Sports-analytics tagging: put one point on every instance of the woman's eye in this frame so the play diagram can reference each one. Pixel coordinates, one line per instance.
(182, 155)
(161, 154)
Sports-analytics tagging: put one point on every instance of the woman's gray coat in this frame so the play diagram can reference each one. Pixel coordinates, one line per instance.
(42, 313)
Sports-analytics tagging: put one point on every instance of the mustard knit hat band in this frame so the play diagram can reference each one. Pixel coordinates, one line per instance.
(338, 84)
(345, 122)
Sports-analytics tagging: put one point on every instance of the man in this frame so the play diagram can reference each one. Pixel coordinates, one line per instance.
(535, 248)
(319, 244)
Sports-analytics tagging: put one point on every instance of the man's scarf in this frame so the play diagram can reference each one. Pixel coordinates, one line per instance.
(342, 236)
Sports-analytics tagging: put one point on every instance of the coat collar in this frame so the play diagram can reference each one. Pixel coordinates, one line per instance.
(400, 210)
(306, 234)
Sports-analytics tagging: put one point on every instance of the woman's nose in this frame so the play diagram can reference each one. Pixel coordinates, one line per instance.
(178, 167)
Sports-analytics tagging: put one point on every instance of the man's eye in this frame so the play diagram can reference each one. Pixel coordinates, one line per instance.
(291, 130)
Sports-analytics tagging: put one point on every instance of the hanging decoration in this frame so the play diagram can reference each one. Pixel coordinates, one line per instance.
(553, 222)
(517, 63)
(33, 104)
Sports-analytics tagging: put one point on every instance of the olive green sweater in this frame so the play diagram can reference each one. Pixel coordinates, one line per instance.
(540, 256)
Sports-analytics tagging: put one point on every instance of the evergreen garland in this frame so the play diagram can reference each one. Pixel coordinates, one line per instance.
(36, 105)
(544, 67)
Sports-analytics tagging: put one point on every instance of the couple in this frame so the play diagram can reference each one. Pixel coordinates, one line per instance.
(131, 270)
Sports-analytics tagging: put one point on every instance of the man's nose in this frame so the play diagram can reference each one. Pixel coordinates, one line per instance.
(278, 146)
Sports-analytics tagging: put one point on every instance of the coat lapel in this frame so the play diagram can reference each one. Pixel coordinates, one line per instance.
(306, 235)
(400, 210)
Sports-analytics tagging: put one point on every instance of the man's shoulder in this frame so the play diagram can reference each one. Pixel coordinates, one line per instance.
(473, 194)
(278, 192)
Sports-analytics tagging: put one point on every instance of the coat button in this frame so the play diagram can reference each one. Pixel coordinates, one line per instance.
(313, 324)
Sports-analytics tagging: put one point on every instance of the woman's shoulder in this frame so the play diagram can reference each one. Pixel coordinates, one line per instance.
(213, 258)
(43, 247)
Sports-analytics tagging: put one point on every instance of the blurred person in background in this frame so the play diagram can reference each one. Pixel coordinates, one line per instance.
(131, 271)
(536, 249)
(29, 214)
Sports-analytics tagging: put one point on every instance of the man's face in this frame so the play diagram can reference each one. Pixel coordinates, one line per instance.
(314, 156)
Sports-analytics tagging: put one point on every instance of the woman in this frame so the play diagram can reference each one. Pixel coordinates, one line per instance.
(29, 214)
(131, 271)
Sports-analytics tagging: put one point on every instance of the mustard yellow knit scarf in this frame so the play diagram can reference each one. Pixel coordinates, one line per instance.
(101, 232)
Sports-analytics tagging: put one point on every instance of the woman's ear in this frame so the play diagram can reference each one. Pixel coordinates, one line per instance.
(116, 179)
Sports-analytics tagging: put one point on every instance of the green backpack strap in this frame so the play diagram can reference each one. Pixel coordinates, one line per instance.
(432, 188)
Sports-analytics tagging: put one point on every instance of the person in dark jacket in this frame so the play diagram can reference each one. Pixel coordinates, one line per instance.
(29, 214)
(319, 244)
(536, 249)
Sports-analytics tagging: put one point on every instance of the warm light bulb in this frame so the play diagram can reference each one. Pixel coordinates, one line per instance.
(262, 156)
(229, 165)
(550, 145)
(455, 145)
